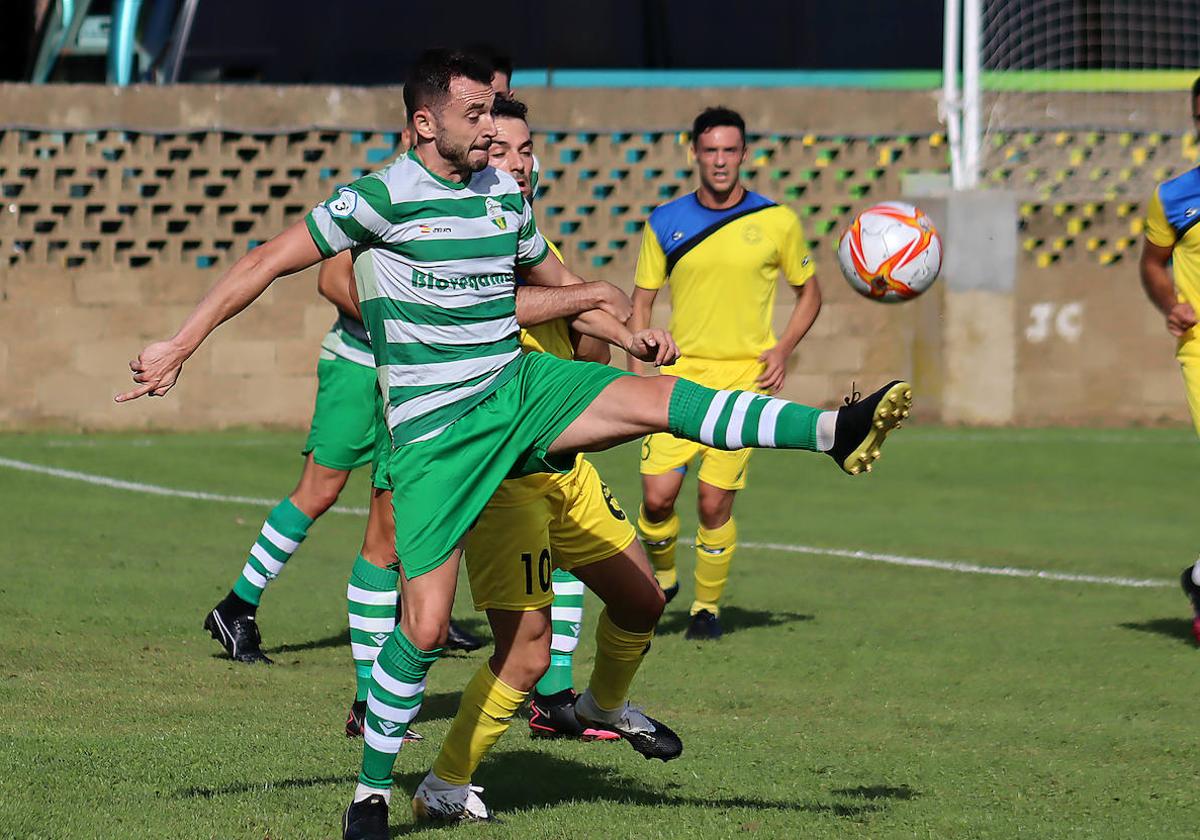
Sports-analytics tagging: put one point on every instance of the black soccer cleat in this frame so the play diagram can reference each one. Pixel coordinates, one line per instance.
(554, 717)
(366, 819)
(704, 627)
(237, 633)
(648, 736)
(356, 724)
(457, 638)
(671, 591)
(864, 423)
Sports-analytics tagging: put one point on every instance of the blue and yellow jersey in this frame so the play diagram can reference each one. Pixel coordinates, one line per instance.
(723, 267)
(1171, 221)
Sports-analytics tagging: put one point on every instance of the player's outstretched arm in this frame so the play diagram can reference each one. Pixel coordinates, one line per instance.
(539, 304)
(1160, 287)
(157, 367)
(335, 283)
(554, 291)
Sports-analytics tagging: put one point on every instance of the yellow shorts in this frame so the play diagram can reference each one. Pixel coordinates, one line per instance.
(512, 550)
(1188, 355)
(663, 452)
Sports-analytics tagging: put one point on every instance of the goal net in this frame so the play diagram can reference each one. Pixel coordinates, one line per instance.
(1086, 98)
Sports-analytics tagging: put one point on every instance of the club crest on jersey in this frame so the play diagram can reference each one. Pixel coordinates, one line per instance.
(495, 213)
(345, 202)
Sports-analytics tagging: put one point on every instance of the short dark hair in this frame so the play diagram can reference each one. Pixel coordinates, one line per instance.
(428, 81)
(718, 116)
(1195, 90)
(507, 106)
(500, 62)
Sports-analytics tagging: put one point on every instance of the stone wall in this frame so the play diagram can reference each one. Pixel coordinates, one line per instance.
(120, 208)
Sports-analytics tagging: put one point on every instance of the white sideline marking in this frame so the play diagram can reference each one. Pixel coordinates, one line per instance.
(875, 557)
(153, 489)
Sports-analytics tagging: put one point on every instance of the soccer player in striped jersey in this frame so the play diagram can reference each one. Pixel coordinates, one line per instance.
(722, 248)
(439, 237)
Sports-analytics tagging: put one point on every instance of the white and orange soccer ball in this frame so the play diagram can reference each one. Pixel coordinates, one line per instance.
(891, 252)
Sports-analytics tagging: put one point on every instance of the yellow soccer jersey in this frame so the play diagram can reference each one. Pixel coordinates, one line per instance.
(723, 267)
(1171, 221)
(552, 337)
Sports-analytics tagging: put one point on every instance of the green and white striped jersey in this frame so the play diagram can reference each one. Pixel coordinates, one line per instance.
(348, 340)
(434, 263)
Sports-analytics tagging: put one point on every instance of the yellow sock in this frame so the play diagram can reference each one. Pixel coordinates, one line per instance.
(659, 538)
(618, 655)
(714, 551)
(484, 714)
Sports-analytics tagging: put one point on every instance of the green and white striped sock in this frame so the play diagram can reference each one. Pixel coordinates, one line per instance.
(741, 419)
(397, 689)
(281, 535)
(371, 596)
(566, 616)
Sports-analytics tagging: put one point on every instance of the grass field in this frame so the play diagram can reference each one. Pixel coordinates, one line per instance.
(849, 698)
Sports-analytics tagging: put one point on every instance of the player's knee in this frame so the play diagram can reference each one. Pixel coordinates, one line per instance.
(659, 505)
(714, 512)
(424, 631)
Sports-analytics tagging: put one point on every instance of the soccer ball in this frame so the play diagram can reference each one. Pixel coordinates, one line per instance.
(891, 252)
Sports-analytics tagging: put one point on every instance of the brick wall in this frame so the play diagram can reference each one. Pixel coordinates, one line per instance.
(118, 209)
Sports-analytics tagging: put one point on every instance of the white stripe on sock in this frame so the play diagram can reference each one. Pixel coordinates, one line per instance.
(568, 587)
(251, 574)
(766, 423)
(733, 433)
(273, 566)
(372, 625)
(370, 597)
(364, 653)
(710, 419)
(392, 685)
(279, 540)
(382, 742)
(392, 714)
(566, 613)
(563, 644)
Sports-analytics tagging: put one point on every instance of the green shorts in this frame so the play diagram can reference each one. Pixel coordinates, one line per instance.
(441, 486)
(348, 410)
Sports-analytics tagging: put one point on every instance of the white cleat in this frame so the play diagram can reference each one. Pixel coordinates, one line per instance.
(439, 801)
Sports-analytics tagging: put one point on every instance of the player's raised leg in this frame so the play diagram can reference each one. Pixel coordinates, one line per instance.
(632, 407)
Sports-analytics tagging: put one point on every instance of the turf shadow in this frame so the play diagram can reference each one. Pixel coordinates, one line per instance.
(339, 639)
(507, 776)
(1173, 628)
(733, 619)
(902, 792)
(248, 787)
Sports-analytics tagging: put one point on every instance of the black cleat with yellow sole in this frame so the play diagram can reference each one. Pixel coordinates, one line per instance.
(863, 424)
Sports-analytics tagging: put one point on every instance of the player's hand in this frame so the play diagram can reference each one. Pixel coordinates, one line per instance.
(614, 301)
(1180, 319)
(653, 345)
(772, 377)
(155, 370)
